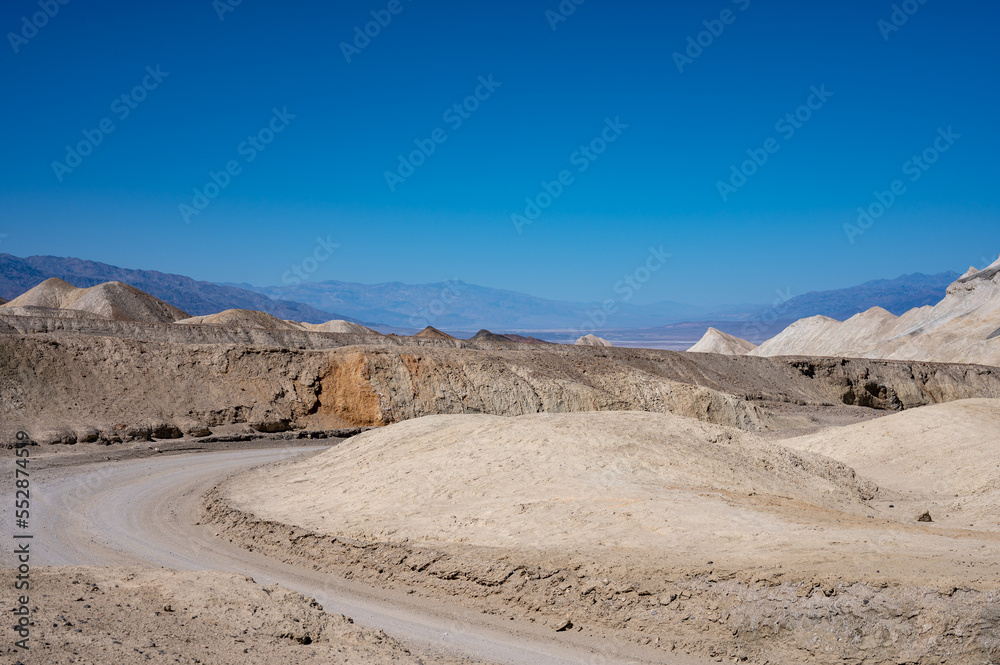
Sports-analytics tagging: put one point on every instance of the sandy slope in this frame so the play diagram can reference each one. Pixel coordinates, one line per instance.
(547, 481)
(338, 327)
(671, 490)
(944, 457)
(241, 319)
(630, 510)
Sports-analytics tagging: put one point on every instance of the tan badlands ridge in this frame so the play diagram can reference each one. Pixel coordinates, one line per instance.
(242, 318)
(115, 301)
(962, 328)
(75, 375)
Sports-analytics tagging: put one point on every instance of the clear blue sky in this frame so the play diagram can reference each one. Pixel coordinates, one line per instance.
(656, 184)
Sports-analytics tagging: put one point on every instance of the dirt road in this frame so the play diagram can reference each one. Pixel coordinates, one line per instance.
(145, 512)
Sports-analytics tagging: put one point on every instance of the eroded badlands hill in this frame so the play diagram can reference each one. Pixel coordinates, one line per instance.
(113, 301)
(964, 327)
(716, 341)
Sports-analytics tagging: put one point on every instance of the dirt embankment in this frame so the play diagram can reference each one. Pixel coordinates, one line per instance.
(108, 615)
(65, 388)
(755, 616)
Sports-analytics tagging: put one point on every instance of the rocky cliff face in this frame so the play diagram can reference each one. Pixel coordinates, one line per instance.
(69, 387)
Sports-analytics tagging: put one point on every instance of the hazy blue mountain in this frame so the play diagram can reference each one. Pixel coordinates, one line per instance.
(896, 295)
(17, 275)
(461, 306)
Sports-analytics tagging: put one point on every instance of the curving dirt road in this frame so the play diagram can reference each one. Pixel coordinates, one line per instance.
(145, 512)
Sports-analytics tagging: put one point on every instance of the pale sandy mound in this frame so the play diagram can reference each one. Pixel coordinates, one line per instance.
(607, 518)
(241, 319)
(716, 341)
(628, 480)
(962, 328)
(944, 458)
(430, 332)
(52, 293)
(339, 327)
(112, 300)
(592, 340)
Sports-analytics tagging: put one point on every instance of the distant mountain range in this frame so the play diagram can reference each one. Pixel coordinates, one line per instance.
(895, 295)
(458, 306)
(759, 323)
(17, 275)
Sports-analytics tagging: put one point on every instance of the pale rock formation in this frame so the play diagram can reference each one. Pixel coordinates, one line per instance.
(114, 301)
(593, 340)
(338, 326)
(962, 328)
(716, 341)
(242, 319)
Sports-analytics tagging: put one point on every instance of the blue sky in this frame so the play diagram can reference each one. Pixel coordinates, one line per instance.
(553, 92)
